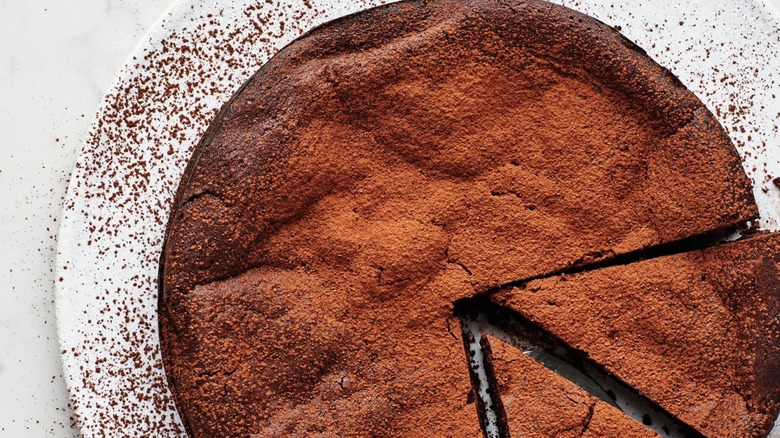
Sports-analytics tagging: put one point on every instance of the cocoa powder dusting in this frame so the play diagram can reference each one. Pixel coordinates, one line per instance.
(392, 162)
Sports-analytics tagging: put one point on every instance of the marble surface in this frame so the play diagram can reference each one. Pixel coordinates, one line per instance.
(57, 58)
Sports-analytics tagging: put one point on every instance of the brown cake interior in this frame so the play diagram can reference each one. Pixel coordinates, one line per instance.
(392, 162)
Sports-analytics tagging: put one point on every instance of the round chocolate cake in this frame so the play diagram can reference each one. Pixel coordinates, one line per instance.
(393, 162)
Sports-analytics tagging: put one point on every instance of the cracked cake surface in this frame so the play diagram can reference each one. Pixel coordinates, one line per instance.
(392, 162)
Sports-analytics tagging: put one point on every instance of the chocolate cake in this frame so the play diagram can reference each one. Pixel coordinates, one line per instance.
(539, 403)
(392, 162)
(696, 332)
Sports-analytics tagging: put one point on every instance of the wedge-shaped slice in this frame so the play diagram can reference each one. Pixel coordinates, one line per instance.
(698, 333)
(541, 404)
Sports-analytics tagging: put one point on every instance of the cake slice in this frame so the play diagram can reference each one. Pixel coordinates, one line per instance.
(698, 333)
(540, 404)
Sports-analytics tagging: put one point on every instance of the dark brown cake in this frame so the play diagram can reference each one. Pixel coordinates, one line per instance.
(542, 404)
(392, 162)
(697, 332)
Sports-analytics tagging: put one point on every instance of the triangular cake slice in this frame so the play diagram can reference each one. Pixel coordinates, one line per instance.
(698, 333)
(539, 403)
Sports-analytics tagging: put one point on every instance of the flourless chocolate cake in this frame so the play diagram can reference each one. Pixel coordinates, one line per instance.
(392, 162)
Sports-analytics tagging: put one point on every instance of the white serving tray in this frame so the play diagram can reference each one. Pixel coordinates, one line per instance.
(191, 62)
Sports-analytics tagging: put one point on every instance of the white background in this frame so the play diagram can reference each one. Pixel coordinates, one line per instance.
(56, 60)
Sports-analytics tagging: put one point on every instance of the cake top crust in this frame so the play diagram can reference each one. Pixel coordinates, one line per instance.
(467, 117)
(391, 162)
